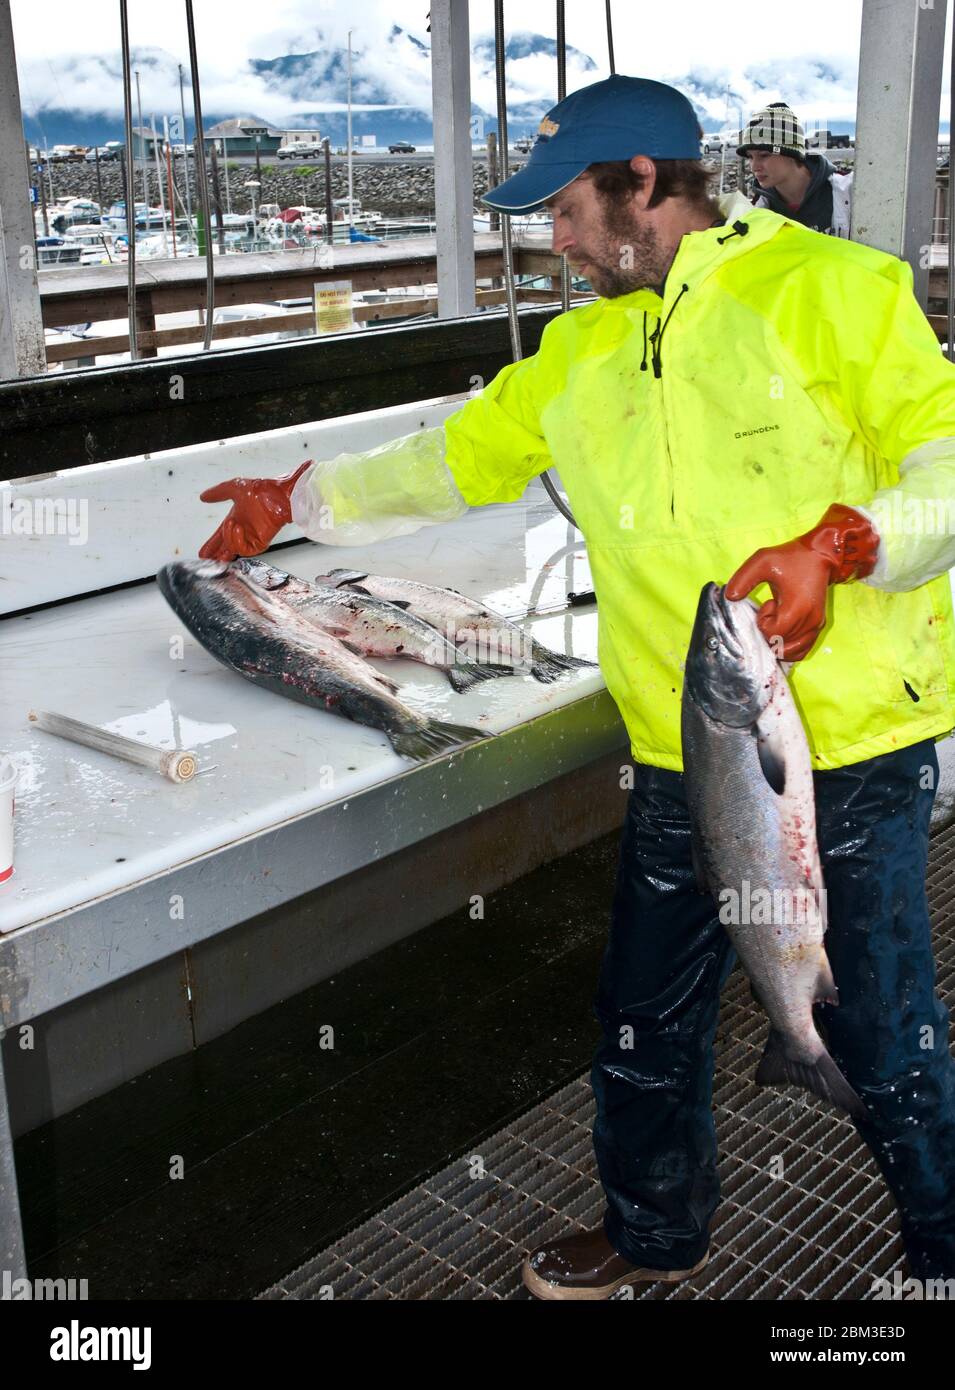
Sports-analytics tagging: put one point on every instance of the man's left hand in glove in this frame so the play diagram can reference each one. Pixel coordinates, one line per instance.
(843, 545)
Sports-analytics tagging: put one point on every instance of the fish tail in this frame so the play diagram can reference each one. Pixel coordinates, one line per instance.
(464, 677)
(547, 666)
(433, 737)
(822, 1077)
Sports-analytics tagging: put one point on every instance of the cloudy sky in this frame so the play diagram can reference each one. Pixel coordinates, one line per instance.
(68, 53)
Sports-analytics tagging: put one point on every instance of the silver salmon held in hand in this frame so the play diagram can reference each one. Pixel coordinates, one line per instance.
(749, 789)
(372, 626)
(259, 634)
(465, 621)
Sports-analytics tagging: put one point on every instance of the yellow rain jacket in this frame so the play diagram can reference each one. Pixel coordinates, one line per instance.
(782, 371)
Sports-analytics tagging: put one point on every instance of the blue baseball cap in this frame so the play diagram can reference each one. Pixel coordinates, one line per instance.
(613, 119)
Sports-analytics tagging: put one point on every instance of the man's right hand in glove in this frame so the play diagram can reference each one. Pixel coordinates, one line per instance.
(260, 508)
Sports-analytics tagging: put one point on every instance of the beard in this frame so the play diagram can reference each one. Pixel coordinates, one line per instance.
(628, 257)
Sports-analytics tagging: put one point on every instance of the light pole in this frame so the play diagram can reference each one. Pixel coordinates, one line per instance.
(329, 212)
(162, 200)
(145, 159)
(740, 159)
(185, 152)
(740, 162)
(41, 169)
(99, 182)
(253, 185)
(44, 163)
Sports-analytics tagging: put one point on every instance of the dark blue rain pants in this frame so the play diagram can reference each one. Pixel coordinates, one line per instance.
(667, 959)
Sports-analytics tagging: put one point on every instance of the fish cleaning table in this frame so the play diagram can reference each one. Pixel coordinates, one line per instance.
(117, 868)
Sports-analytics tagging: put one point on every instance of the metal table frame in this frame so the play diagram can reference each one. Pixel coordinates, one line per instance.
(52, 962)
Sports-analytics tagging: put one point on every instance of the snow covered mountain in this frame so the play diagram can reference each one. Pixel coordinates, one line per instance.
(391, 86)
(391, 90)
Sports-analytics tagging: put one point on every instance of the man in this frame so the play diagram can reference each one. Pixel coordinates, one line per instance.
(802, 186)
(738, 379)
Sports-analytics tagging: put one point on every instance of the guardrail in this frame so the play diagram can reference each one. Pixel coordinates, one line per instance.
(98, 294)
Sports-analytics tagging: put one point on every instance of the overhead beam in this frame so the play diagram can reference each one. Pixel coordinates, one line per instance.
(21, 325)
(453, 179)
(900, 87)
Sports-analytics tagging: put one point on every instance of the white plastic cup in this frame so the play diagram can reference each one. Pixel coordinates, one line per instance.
(8, 783)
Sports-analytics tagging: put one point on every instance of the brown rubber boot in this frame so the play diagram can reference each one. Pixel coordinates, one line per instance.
(586, 1265)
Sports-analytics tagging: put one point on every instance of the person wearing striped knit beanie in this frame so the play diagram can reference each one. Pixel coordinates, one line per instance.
(804, 187)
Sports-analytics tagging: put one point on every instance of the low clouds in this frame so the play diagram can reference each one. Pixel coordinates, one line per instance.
(821, 92)
(68, 55)
(391, 65)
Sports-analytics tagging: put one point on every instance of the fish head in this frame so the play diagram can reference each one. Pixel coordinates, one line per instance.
(730, 667)
(209, 591)
(181, 579)
(193, 585)
(255, 570)
(260, 572)
(336, 578)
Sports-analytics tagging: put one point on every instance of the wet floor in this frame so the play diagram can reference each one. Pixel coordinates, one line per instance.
(339, 1155)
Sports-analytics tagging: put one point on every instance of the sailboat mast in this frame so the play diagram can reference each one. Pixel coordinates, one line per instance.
(351, 204)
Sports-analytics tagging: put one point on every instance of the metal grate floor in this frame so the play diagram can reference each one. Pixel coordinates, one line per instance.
(821, 1231)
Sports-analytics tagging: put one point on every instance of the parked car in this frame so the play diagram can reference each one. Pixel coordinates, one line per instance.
(105, 152)
(712, 144)
(297, 149)
(401, 147)
(181, 149)
(823, 139)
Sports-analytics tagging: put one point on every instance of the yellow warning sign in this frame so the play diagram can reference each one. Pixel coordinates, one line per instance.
(333, 306)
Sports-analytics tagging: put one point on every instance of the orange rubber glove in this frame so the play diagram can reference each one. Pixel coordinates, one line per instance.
(261, 507)
(844, 545)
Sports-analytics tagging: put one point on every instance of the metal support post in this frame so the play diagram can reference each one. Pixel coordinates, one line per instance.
(453, 177)
(12, 1254)
(900, 83)
(22, 348)
(329, 210)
